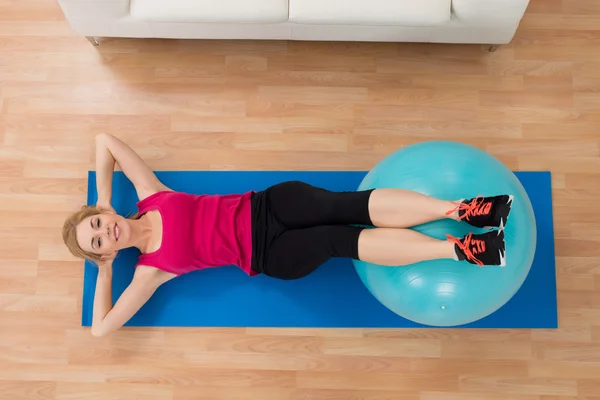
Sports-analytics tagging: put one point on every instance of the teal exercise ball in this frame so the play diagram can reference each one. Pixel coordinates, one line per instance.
(445, 292)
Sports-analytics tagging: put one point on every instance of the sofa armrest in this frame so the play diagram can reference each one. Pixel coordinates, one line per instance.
(103, 18)
(96, 10)
(489, 12)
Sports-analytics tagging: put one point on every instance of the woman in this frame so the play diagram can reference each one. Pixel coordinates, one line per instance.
(285, 232)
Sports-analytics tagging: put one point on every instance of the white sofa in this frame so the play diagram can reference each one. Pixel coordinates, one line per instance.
(492, 22)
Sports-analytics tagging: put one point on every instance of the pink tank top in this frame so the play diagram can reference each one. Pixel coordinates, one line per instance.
(200, 231)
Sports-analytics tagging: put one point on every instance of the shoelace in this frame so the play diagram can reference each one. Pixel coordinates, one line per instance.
(478, 206)
(466, 247)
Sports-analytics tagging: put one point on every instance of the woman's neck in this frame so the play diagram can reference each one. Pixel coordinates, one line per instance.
(141, 232)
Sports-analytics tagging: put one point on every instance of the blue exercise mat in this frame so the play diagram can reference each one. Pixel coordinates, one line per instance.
(332, 297)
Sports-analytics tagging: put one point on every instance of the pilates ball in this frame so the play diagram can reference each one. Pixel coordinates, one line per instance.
(446, 292)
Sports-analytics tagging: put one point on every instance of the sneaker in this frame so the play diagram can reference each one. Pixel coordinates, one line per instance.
(484, 249)
(485, 212)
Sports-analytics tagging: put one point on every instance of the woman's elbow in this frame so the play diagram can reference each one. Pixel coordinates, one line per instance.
(103, 138)
(99, 331)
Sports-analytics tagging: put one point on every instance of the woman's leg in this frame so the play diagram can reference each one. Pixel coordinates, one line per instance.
(399, 208)
(296, 253)
(299, 205)
(395, 247)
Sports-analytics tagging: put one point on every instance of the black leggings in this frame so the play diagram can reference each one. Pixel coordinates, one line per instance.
(297, 227)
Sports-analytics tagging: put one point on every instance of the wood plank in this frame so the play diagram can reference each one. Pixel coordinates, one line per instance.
(110, 391)
(509, 386)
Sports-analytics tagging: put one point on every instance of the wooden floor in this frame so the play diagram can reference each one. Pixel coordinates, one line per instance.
(274, 105)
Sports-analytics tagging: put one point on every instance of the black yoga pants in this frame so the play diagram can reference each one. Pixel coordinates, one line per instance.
(296, 227)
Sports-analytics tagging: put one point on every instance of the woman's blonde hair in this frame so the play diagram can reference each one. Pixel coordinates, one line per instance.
(69, 232)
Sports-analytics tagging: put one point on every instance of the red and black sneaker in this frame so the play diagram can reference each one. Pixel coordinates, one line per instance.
(485, 212)
(484, 249)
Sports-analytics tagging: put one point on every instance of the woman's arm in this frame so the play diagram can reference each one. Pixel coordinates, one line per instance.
(103, 294)
(111, 150)
(105, 165)
(107, 318)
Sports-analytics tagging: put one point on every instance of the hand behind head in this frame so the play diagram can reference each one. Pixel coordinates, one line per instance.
(107, 259)
(105, 207)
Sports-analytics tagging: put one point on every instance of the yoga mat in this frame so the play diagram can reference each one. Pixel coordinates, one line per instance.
(332, 297)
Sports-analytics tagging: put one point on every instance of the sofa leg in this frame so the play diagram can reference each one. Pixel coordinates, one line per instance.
(493, 48)
(93, 40)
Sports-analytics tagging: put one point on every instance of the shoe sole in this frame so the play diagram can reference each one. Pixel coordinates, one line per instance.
(503, 261)
(502, 250)
(511, 198)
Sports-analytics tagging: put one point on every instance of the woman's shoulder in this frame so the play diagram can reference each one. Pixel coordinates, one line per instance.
(157, 198)
(153, 197)
(153, 273)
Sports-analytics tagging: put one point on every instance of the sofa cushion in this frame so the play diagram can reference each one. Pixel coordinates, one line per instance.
(489, 13)
(371, 12)
(219, 11)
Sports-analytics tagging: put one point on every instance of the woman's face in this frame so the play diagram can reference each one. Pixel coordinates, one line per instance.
(104, 234)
